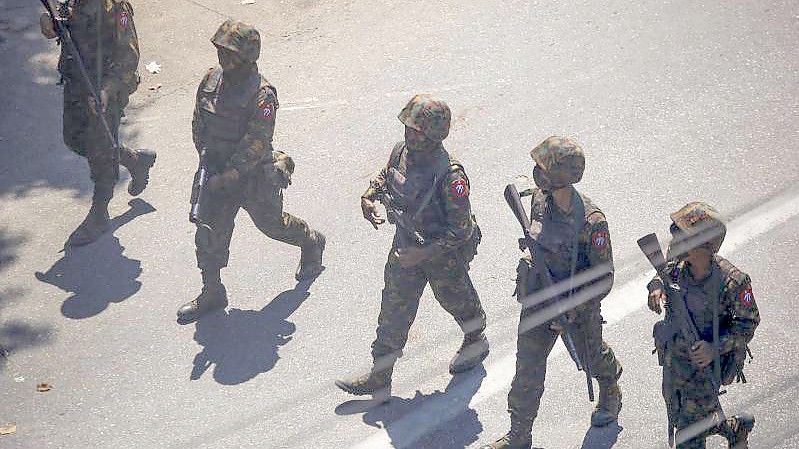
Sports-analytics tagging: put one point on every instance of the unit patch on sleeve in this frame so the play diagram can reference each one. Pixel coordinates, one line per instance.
(746, 297)
(600, 240)
(459, 188)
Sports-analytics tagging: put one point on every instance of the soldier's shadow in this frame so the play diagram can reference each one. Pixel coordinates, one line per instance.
(241, 344)
(99, 273)
(602, 437)
(442, 419)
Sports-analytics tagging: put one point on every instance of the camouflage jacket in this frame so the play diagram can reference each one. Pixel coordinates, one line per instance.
(235, 122)
(447, 222)
(105, 35)
(727, 288)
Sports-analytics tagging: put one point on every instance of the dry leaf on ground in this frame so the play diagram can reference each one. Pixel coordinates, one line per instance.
(9, 429)
(41, 388)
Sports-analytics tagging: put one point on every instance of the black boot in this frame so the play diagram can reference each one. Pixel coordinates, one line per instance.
(138, 164)
(311, 258)
(213, 297)
(97, 221)
(472, 352)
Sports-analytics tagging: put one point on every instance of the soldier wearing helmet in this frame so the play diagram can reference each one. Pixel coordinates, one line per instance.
(719, 298)
(233, 124)
(576, 251)
(109, 47)
(425, 184)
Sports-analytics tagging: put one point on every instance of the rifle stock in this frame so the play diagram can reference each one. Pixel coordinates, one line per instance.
(198, 190)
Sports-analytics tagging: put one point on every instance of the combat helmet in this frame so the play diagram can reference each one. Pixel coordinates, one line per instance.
(559, 162)
(427, 115)
(240, 38)
(695, 225)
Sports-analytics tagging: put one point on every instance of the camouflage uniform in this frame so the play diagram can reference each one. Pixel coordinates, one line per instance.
(726, 292)
(105, 35)
(560, 163)
(234, 120)
(448, 225)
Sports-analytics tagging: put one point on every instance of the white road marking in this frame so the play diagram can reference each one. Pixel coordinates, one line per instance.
(622, 301)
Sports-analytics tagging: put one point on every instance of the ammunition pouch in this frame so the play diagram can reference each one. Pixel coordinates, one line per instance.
(469, 249)
(664, 333)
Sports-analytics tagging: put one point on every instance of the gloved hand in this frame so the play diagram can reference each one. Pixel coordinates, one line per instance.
(226, 181)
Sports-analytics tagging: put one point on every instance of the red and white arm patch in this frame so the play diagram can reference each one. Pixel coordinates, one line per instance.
(123, 20)
(266, 111)
(746, 297)
(600, 240)
(459, 188)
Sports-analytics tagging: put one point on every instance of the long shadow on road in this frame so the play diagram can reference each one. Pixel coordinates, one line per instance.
(602, 437)
(99, 273)
(241, 344)
(442, 419)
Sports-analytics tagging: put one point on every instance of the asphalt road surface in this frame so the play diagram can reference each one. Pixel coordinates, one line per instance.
(672, 100)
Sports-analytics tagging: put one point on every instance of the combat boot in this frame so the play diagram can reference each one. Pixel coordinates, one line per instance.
(472, 352)
(740, 425)
(138, 164)
(96, 223)
(311, 258)
(519, 436)
(609, 404)
(375, 383)
(213, 297)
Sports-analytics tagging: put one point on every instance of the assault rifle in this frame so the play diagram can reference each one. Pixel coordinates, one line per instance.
(198, 189)
(401, 219)
(678, 321)
(530, 241)
(65, 38)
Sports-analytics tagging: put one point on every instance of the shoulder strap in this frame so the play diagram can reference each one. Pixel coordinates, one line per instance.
(578, 218)
(396, 154)
(446, 166)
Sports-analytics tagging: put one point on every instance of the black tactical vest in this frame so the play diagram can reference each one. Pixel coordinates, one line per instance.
(225, 109)
(410, 184)
(558, 231)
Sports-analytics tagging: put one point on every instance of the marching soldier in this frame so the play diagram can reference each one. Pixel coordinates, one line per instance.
(234, 119)
(719, 299)
(105, 35)
(435, 245)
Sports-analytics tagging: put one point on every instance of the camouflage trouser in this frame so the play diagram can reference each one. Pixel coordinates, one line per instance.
(84, 134)
(533, 348)
(263, 201)
(449, 279)
(692, 401)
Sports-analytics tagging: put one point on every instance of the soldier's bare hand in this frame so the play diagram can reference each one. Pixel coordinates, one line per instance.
(702, 354)
(656, 300)
(570, 316)
(370, 212)
(46, 24)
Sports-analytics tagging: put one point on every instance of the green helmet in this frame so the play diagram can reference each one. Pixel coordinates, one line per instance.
(697, 224)
(559, 162)
(427, 115)
(240, 38)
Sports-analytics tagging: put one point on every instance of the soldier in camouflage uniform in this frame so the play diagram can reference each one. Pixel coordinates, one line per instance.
(717, 295)
(234, 120)
(577, 252)
(420, 169)
(103, 31)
